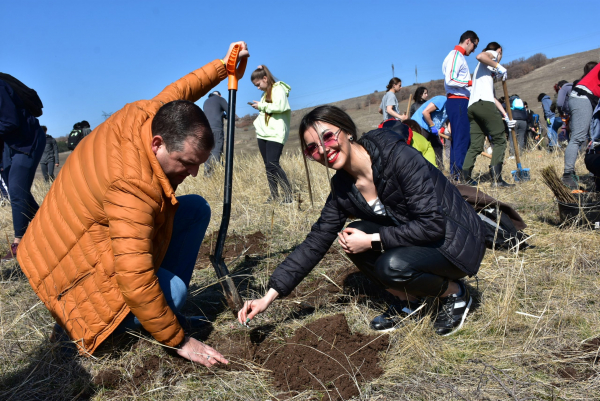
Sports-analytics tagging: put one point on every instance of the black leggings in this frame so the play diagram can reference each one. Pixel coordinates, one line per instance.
(421, 271)
(271, 152)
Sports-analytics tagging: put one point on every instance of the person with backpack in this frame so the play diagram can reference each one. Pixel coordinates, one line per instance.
(457, 82)
(49, 157)
(419, 98)
(75, 136)
(272, 129)
(520, 116)
(415, 235)
(486, 116)
(24, 142)
(583, 99)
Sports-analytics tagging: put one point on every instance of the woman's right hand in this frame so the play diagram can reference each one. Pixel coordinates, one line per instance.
(256, 306)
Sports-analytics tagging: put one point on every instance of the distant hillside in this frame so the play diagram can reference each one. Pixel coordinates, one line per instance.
(363, 109)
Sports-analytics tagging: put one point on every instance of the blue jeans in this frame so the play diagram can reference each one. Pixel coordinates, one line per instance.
(552, 134)
(20, 173)
(174, 275)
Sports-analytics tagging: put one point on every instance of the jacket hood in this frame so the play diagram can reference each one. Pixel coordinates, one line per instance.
(380, 144)
(285, 86)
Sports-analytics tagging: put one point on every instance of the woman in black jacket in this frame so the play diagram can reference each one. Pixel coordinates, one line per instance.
(416, 236)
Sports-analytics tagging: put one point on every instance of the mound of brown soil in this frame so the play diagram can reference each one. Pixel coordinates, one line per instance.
(323, 355)
(234, 246)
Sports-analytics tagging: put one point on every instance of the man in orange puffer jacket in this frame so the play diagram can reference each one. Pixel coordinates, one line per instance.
(111, 246)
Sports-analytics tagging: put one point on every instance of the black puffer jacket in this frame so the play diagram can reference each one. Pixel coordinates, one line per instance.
(422, 207)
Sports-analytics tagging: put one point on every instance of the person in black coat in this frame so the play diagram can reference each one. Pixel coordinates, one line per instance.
(416, 236)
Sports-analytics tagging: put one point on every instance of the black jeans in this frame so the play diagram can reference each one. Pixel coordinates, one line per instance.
(271, 152)
(421, 271)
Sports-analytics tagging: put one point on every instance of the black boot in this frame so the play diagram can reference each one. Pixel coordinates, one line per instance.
(496, 173)
(465, 177)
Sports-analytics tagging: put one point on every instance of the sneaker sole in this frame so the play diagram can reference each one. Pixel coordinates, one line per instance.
(462, 321)
(386, 330)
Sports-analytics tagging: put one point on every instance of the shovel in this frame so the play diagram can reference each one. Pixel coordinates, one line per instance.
(234, 301)
(520, 174)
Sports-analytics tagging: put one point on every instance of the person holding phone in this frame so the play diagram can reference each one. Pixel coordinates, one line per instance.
(272, 129)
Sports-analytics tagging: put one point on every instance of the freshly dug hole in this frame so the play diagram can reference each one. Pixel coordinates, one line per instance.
(323, 355)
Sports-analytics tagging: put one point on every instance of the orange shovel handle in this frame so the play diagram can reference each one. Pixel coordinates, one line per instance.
(234, 74)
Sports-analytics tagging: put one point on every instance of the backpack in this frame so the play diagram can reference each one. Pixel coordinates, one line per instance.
(501, 234)
(74, 138)
(28, 96)
(518, 108)
(595, 130)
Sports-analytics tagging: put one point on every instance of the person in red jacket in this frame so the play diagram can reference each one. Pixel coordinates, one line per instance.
(582, 102)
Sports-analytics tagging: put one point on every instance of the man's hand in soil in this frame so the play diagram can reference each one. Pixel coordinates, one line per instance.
(256, 306)
(198, 352)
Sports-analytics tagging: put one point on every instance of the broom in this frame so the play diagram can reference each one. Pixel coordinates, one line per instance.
(551, 179)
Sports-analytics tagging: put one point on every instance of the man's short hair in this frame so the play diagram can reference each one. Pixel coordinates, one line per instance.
(44, 128)
(179, 120)
(469, 35)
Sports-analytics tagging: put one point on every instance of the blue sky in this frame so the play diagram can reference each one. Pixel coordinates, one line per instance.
(86, 57)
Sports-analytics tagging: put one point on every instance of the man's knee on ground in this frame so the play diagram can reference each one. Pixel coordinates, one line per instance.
(196, 207)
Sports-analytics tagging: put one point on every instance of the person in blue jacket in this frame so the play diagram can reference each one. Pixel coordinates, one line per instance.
(432, 116)
(24, 142)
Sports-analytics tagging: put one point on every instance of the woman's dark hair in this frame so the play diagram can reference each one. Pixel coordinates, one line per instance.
(261, 72)
(327, 114)
(589, 67)
(419, 94)
(413, 125)
(393, 81)
(492, 46)
(541, 96)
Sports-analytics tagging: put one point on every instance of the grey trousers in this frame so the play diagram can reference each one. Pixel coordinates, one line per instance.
(215, 154)
(581, 117)
(521, 129)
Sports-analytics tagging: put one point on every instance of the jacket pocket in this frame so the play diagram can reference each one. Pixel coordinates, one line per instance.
(73, 285)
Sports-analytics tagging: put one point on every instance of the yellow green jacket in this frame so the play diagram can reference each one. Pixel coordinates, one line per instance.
(424, 146)
(273, 121)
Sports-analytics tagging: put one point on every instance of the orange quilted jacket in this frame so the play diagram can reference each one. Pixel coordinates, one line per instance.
(93, 248)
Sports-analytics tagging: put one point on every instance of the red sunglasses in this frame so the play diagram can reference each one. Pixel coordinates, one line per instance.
(328, 138)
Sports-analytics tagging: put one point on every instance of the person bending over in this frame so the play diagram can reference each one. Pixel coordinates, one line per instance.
(112, 248)
(415, 237)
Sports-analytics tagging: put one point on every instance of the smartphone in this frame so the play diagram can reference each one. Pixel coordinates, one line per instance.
(250, 103)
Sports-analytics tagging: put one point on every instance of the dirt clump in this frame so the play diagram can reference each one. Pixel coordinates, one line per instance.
(144, 373)
(235, 245)
(109, 378)
(325, 355)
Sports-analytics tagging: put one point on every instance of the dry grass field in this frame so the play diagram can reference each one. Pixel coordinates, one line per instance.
(533, 333)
